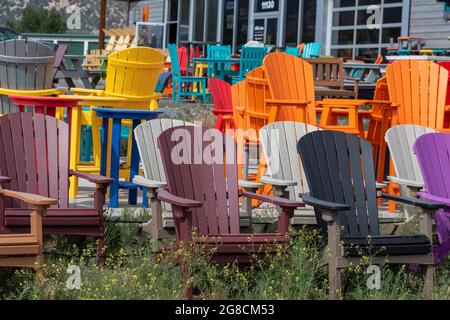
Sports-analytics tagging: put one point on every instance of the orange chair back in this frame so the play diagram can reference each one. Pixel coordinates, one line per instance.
(418, 88)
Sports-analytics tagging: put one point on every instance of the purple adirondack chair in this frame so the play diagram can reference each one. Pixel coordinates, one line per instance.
(433, 152)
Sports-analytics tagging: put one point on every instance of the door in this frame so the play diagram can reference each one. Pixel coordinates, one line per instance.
(265, 30)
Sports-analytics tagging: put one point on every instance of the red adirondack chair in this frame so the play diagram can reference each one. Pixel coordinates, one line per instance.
(446, 65)
(223, 107)
(433, 153)
(182, 57)
(204, 196)
(34, 156)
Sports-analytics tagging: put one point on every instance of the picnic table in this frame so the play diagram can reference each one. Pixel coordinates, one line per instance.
(417, 57)
(219, 64)
(117, 116)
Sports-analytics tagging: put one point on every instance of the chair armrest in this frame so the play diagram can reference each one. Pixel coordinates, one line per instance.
(424, 204)
(405, 182)
(286, 102)
(92, 177)
(149, 183)
(282, 202)
(352, 79)
(5, 179)
(325, 205)
(380, 186)
(29, 198)
(277, 182)
(427, 196)
(250, 185)
(166, 196)
(218, 111)
(87, 91)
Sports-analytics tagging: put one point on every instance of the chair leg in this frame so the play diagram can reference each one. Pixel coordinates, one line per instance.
(428, 285)
(334, 279)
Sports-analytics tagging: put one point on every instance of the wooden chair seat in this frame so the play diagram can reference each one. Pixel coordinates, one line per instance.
(386, 245)
(19, 249)
(17, 240)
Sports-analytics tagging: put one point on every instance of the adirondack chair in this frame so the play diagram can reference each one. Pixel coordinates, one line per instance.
(26, 68)
(205, 198)
(340, 174)
(284, 169)
(400, 140)
(59, 58)
(34, 155)
(178, 80)
(292, 51)
(182, 58)
(329, 78)
(311, 50)
(291, 86)
(446, 65)
(251, 58)
(223, 110)
(433, 153)
(239, 101)
(419, 90)
(217, 52)
(24, 250)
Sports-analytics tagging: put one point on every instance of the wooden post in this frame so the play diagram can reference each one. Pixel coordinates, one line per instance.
(101, 31)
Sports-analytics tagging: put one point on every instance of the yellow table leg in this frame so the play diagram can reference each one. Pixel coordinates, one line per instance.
(75, 140)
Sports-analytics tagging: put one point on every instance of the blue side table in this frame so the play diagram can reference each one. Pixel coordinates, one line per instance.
(117, 115)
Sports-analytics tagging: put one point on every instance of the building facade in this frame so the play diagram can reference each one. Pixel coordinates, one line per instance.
(348, 28)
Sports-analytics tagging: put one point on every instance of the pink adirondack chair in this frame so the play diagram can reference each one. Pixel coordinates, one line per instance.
(34, 156)
(223, 108)
(433, 152)
(204, 196)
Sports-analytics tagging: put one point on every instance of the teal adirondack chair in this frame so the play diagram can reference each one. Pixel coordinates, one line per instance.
(292, 51)
(251, 58)
(178, 80)
(218, 52)
(311, 50)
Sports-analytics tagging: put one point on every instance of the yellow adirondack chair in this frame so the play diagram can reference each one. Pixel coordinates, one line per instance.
(131, 78)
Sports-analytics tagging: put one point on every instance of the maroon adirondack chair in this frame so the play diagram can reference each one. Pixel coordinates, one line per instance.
(204, 196)
(34, 156)
(59, 57)
(223, 108)
(433, 152)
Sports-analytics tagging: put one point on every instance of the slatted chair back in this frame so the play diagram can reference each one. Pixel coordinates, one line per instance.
(221, 95)
(207, 173)
(146, 135)
(133, 73)
(218, 52)
(311, 50)
(419, 89)
(292, 51)
(328, 72)
(256, 114)
(59, 57)
(34, 153)
(291, 78)
(279, 141)
(400, 140)
(239, 102)
(251, 58)
(339, 168)
(174, 60)
(24, 65)
(433, 154)
(182, 58)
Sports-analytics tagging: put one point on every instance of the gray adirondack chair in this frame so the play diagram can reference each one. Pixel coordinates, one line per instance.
(24, 65)
(284, 168)
(400, 140)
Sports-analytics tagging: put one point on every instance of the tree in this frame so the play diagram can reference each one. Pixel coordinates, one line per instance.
(40, 20)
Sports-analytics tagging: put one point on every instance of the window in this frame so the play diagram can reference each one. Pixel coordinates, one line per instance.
(199, 19)
(292, 14)
(309, 20)
(228, 22)
(242, 26)
(363, 29)
(213, 7)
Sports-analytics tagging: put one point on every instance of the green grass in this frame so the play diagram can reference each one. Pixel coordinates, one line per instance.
(132, 272)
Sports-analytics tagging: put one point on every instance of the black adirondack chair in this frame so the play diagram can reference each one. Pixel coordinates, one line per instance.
(340, 174)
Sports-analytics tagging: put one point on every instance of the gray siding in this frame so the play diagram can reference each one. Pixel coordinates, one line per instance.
(156, 10)
(427, 20)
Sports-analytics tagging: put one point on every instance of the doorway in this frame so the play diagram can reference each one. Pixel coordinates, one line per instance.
(265, 29)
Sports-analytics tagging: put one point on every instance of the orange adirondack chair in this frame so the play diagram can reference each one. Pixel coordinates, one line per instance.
(419, 90)
(291, 84)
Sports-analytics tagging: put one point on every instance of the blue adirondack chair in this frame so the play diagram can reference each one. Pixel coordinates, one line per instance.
(292, 51)
(251, 58)
(311, 50)
(178, 80)
(218, 52)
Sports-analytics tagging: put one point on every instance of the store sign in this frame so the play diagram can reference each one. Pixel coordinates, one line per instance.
(266, 5)
(258, 33)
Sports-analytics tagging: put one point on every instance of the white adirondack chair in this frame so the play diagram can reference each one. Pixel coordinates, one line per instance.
(400, 140)
(284, 169)
(146, 135)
